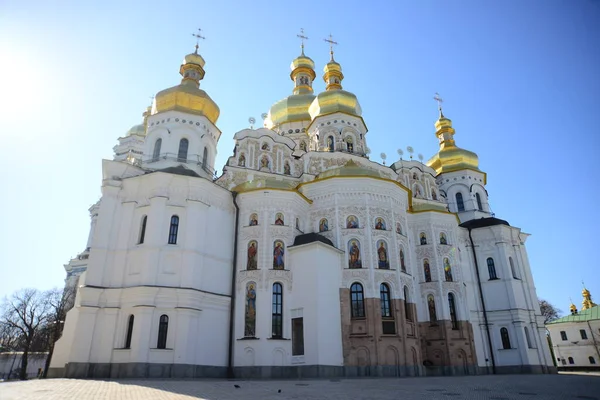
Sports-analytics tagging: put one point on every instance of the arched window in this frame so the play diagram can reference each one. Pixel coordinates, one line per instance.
(163, 327)
(505, 338)
(512, 268)
(491, 268)
(459, 202)
(407, 312)
(443, 239)
(183, 150)
(129, 332)
(592, 360)
(173, 229)
(330, 144)
(427, 270)
(571, 361)
(156, 152)
(432, 310)
(447, 270)
(205, 158)
(528, 338)
(143, 229)
(277, 311)
(402, 262)
(423, 238)
(357, 303)
(349, 144)
(478, 198)
(452, 306)
(384, 295)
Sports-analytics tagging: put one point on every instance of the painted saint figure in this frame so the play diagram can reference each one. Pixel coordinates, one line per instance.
(242, 160)
(423, 238)
(349, 144)
(431, 306)
(443, 239)
(279, 219)
(382, 257)
(433, 195)
(253, 220)
(286, 168)
(250, 318)
(303, 146)
(402, 263)
(330, 144)
(447, 270)
(252, 251)
(264, 162)
(380, 224)
(323, 225)
(398, 228)
(427, 270)
(278, 253)
(354, 255)
(351, 222)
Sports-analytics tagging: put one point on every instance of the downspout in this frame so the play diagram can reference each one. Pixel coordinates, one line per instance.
(487, 326)
(230, 373)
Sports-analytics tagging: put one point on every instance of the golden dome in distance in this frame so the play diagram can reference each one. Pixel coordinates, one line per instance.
(295, 107)
(450, 157)
(187, 96)
(334, 99)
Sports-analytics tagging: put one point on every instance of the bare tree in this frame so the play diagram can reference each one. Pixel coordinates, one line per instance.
(25, 312)
(60, 301)
(549, 311)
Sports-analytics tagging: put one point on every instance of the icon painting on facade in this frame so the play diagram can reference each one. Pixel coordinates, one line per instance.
(278, 255)
(253, 220)
(252, 256)
(427, 270)
(354, 260)
(380, 224)
(382, 255)
(351, 222)
(323, 225)
(279, 219)
(250, 317)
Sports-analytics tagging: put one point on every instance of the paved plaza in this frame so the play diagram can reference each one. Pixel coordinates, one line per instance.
(563, 387)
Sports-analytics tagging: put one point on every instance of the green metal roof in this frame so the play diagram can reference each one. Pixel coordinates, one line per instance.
(581, 316)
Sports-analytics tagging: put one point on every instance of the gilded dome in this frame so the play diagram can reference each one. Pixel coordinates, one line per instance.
(451, 157)
(187, 96)
(139, 130)
(350, 169)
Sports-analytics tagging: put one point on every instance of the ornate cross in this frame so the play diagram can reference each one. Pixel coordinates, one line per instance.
(331, 43)
(198, 36)
(439, 100)
(302, 38)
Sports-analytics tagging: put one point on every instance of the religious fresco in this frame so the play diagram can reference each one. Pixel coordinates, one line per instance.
(447, 270)
(264, 162)
(433, 195)
(279, 219)
(250, 317)
(253, 220)
(278, 255)
(427, 270)
(351, 222)
(354, 260)
(443, 239)
(330, 147)
(415, 177)
(265, 146)
(286, 168)
(242, 160)
(423, 238)
(303, 146)
(380, 224)
(402, 262)
(417, 192)
(349, 144)
(383, 261)
(323, 225)
(431, 307)
(252, 262)
(398, 228)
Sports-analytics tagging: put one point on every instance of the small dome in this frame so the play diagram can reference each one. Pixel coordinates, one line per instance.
(302, 61)
(451, 157)
(350, 169)
(186, 98)
(291, 109)
(194, 58)
(138, 130)
(331, 101)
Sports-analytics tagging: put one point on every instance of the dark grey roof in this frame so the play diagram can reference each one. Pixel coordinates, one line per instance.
(311, 237)
(483, 222)
(178, 170)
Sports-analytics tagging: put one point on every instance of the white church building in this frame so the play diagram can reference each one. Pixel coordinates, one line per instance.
(304, 258)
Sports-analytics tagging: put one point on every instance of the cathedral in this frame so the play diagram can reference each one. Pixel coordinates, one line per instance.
(302, 259)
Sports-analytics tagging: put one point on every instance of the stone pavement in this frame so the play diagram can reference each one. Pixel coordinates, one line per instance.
(500, 387)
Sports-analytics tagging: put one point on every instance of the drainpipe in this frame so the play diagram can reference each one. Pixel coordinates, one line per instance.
(230, 373)
(487, 326)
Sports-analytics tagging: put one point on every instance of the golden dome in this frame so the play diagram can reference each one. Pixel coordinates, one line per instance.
(334, 99)
(187, 96)
(450, 157)
(139, 130)
(350, 169)
(295, 107)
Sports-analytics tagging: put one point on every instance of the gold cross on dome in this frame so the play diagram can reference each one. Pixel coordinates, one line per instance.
(439, 100)
(331, 43)
(302, 38)
(198, 36)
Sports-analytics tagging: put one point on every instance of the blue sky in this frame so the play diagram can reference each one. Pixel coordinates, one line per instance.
(520, 82)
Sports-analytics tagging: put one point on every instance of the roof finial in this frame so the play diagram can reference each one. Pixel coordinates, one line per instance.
(331, 43)
(302, 39)
(439, 101)
(198, 36)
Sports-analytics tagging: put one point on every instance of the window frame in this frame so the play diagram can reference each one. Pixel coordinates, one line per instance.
(142, 235)
(571, 361)
(479, 204)
(156, 149)
(491, 269)
(513, 270)
(385, 298)
(163, 330)
(182, 150)
(453, 314)
(460, 202)
(563, 336)
(528, 338)
(129, 332)
(407, 310)
(173, 229)
(505, 337)
(583, 334)
(277, 311)
(357, 301)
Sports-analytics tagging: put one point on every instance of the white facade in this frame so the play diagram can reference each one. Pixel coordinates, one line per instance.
(280, 266)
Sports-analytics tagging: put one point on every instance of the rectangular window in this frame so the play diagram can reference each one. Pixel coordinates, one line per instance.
(297, 336)
(583, 334)
(277, 311)
(563, 335)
